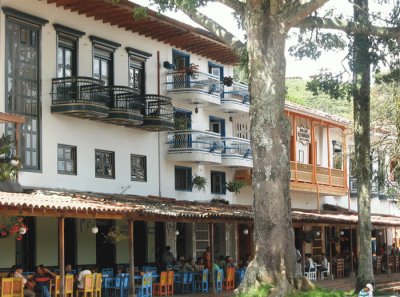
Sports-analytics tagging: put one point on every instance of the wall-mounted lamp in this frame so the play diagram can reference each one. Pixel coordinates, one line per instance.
(94, 230)
(196, 109)
(177, 232)
(317, 233)
(230, 118)
(169, 66)
(380, 233)
(245, 231)
(22, 230)
(341, 232)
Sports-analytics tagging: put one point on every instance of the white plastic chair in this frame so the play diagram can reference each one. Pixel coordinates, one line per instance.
(311, 275)
(324, 274)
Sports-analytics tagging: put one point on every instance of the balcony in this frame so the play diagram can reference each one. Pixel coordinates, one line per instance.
(375, 191)
(236, 99)
(193, 146)
(126, 107)
(199, 88)
(304, 174)
(76, 96)
(158, 114)
(237, 152)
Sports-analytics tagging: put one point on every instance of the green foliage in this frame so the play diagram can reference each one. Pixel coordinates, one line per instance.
(320, 292)
(334, 86)
(297, 93)
(199, 183)
(261, 291)
(140, 13)
(9, 165)
(235, 185)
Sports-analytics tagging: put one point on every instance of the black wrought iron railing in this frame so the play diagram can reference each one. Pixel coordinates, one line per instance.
(158, 110)
(237, 92)
(75, 90)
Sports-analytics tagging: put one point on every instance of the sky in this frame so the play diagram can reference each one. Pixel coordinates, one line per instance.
(331, 61)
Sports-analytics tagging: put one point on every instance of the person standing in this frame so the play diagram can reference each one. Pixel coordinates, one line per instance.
(168, 257)
(207, 258)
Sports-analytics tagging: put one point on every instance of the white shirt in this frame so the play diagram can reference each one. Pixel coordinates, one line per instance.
(81, 278)
(324, 263)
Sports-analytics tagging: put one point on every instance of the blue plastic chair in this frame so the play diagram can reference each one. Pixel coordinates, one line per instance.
(219, 277)
(108, 285)
(149, 284)
(201, 285)
(187, 285)
(124, 285)
(240, 275)
(107, 272)
(145, 289)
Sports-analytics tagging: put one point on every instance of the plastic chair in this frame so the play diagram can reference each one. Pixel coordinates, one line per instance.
(107, 272)
(143, 290)
(7, 287)
(324, 274)
(311, 275)
(98, 278)
(170, 283)
(396, 263)
(55, 291)
(187, 285)
(69, 285)
(161, 288)
(18, 287)
(201, 285)
(87, 286)
(229, 282)
(218, 280)
(240, 275)
(340, 268)
(108, 285)
(124, 285)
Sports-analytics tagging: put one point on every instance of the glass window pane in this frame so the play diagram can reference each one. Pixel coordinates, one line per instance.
(60, 165)
(96, 67)
(60, 56)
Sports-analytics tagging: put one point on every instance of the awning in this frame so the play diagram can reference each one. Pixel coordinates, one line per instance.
(151, 208)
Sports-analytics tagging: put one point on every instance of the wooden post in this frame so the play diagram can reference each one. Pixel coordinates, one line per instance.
(131, 258)
(211, 231)
(351, 249)
(61, 250)
(303, 247)
(295, 146)
(328, 140)
(330, 247)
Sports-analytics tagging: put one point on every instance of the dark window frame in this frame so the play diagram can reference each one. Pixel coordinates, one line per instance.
(139, 58)
(112, 158)
(188, 176)
(74, 159)
(222, 190)
(141, 157)
(29, 103)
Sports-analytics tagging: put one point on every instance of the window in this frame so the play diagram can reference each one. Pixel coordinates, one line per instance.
(136, 75)
(183, 178)
(137, 61)
(22, 81)
(138, 168)
(218, 182)
(67, 48)
(66, 159)
(217, 125)
(104, 161)
(103, 59)
(216, 70)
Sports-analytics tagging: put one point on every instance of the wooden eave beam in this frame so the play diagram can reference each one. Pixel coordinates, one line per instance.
(79, 7)
(101, 9)
(11, 118)
(116, 14)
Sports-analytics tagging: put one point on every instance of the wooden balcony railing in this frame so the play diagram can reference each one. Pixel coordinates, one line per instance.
(304, 174)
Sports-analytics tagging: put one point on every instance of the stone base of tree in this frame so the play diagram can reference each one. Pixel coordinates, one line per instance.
(11, 186)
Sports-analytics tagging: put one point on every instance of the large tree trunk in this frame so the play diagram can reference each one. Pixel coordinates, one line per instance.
(274, 261)
(361, 72)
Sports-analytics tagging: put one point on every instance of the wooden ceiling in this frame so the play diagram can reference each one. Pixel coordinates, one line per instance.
(154, 26)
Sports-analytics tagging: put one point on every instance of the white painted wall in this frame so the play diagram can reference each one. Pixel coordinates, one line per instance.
(46, 249)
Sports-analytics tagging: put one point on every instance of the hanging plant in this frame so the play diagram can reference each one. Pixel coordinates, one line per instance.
(14, 227)
(199, 183)
(228, 81)
(115, 234)
(235, 185)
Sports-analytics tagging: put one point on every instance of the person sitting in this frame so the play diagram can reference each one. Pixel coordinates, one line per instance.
(181, 263)
(229, 262)
(68, 269)
(28, 285)
(81, 277)
(199, 264)
(189, 266)
(367, 291)
(310, 265)
(222, 262)
(42, 278)
(324, 263)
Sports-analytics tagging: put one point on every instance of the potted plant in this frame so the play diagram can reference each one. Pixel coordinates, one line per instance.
(228, 81)
(235, 185)
(199, 183)
(192, 70)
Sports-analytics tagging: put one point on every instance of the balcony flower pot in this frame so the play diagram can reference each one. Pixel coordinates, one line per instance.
(235, 185)
(199, 183)
(228, 81)
(192, 70)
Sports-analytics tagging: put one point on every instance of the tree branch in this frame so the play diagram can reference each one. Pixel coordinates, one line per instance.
(215, 28)
(297, 11)
(346, 26)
